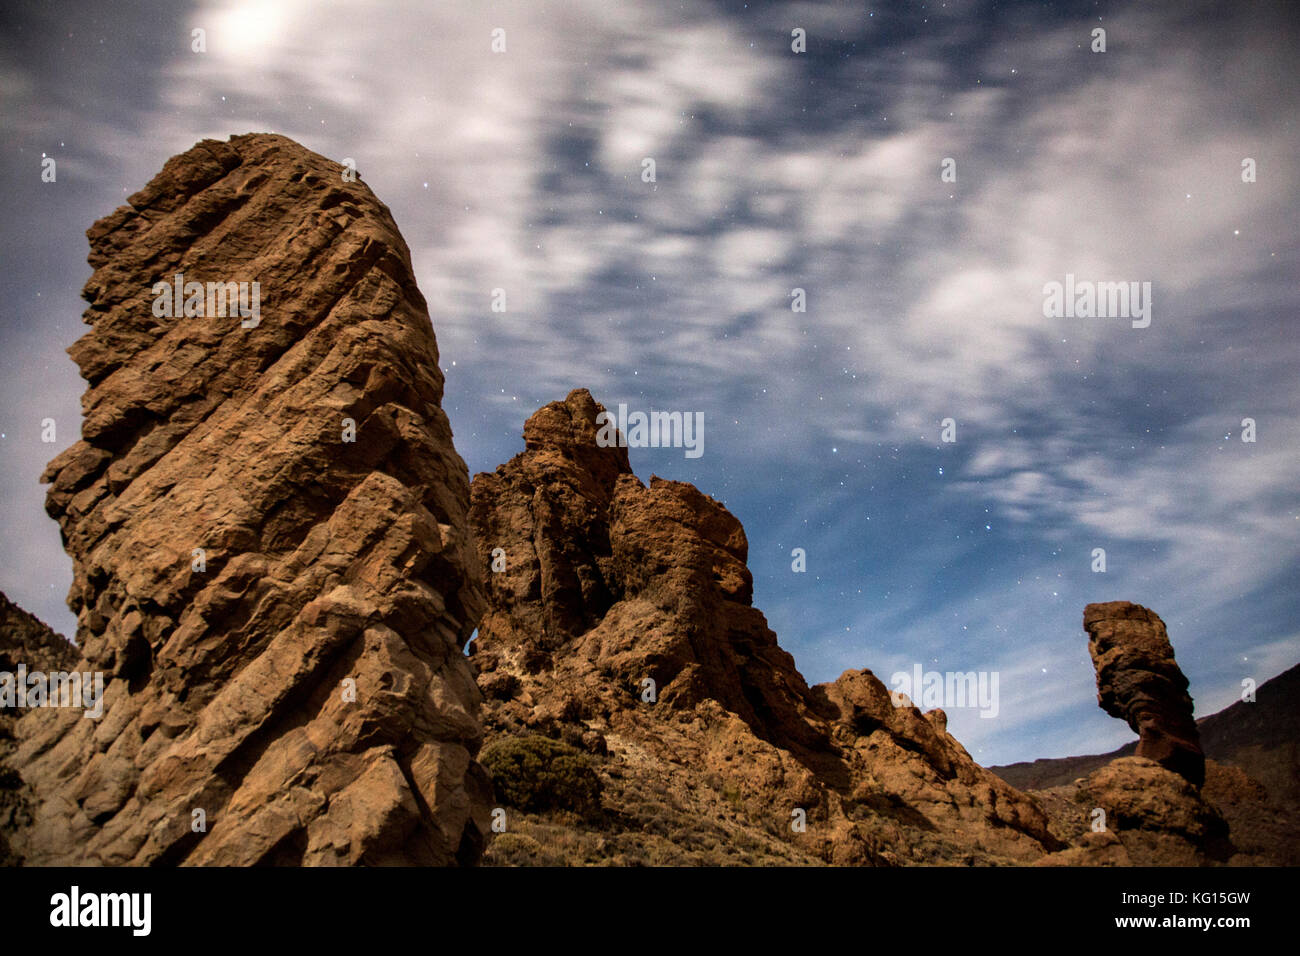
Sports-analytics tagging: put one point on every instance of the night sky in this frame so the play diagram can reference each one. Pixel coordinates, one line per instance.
(777, 170)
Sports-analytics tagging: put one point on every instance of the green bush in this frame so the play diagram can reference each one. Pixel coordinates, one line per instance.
(536, 773)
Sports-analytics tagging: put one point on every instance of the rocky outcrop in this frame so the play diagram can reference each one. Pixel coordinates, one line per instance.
(28, 641)
(28, 647)
(1252, 771)
(1138, 681)
(619, 619)
(1146, 809)
(904, 766)
(1134, 812)
(644, 583)
(267, 521)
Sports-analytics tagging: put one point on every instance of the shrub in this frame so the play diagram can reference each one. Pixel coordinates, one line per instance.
(536, 773)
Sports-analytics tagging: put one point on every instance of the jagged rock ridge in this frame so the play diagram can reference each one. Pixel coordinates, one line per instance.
(279, 612)
(27, 643)
(607, 583)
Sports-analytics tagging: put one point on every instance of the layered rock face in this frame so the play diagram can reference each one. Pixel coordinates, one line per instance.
(1138, 681)
(647, 583)
(619, 619)
(267, 520)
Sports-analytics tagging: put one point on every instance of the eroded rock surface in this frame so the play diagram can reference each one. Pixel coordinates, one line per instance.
(26, 640)
(605, 584)
(279, 612)
(1139, 681)
(1146, 809)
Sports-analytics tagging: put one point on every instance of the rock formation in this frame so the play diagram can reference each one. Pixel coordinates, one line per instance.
(267, 521)
(27, 646)
(1145, 809)
(1134, 812)
(28, 641)
(619, 619)
(1138, 680)
(1252, 771)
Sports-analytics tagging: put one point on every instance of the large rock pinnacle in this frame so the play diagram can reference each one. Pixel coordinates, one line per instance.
(581, 536)
(1138, 680)
(268, 526)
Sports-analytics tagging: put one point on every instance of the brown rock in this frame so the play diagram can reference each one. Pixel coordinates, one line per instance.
(1158, 815)
(1252, 772)
(26, 640)
(607, 584)
(609, 577)
(26, 643)
(238, 567)
(1149, 805)
(1138, 680)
